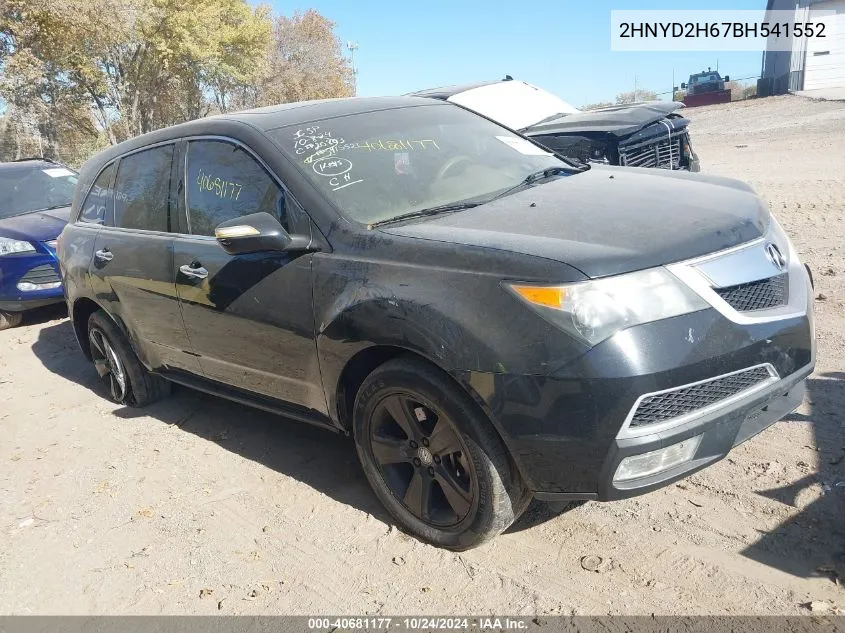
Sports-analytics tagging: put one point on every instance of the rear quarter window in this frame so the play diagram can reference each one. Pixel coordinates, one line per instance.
(99, 203)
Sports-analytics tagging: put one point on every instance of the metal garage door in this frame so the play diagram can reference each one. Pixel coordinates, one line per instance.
(825, 61)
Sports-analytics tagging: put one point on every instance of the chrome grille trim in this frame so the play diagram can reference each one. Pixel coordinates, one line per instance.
(629, 430)
(732, 266)
(664, 154)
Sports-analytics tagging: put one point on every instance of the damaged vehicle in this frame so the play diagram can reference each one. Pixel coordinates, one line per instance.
(650, 134)
(489, 322)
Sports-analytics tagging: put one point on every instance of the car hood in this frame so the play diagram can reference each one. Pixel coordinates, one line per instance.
(608, 220)
(515, 104)
(616, 120)
(39, 226)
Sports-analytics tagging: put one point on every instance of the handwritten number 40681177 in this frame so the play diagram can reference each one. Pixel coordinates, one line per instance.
(219, 187)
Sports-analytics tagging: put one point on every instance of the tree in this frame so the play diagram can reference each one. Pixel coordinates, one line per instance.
(740, 92)
(137, 64)
(595, 106)
(77, 74)
(636, 96)
(305, 61)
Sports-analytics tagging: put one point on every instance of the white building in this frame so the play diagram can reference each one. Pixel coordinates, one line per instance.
(813, 63)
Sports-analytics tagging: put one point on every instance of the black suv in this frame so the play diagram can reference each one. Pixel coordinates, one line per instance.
(490, 322)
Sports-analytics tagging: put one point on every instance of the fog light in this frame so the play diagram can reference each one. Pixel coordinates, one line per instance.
(25, 286)
(662, 459)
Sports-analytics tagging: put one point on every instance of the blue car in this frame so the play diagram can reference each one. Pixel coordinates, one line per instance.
(35, 199)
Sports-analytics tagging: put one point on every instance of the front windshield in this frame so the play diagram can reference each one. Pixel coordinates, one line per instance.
(700, 79)
(24, 189)
(378, 165)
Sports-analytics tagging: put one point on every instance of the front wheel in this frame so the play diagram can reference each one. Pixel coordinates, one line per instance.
(432, 457)
(10, 319)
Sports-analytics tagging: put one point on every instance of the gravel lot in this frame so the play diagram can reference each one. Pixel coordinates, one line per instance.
(200, 506)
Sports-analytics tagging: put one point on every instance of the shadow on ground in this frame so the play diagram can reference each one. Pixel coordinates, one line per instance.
(812, 543)
(327, 462)
(45, 314)
(321, 459)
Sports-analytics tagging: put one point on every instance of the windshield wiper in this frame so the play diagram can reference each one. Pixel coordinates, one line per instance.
(548, 172)
(422, 213)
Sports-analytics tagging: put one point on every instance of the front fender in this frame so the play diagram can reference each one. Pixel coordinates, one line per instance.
(461, 320)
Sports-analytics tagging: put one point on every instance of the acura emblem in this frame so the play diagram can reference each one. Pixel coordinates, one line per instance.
(775, 256)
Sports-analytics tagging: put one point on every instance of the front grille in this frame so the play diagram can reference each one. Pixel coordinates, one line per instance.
(756, 295)
(44, 274)
(673, 404)
(664, 154)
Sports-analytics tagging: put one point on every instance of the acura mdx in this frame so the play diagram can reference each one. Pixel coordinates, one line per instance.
(488, 321)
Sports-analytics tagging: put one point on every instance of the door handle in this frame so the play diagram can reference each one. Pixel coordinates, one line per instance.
(197, 272)
(104, 255)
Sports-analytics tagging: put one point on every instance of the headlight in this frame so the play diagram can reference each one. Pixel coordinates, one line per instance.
(595, 310)
(9, 246)
(597, 153)
(584, 149)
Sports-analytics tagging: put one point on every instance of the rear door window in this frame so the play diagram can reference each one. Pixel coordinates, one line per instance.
(99, 202)
(224, 182)
(142, 190)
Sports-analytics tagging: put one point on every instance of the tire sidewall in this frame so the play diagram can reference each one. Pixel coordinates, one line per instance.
(8, 320)
(135, 372)
(492, 512)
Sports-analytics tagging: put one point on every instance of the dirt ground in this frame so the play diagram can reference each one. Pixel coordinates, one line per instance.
(200, 506)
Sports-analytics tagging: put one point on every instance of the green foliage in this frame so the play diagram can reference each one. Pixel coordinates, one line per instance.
(77, 74)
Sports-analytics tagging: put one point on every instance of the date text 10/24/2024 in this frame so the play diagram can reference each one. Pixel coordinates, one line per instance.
(491, 623)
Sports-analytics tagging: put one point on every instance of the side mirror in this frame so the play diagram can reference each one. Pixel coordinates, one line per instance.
(683, 86)
(727, 78)
(258, 232)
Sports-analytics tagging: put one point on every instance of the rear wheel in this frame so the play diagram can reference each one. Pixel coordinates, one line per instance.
(127, 380)
(433, 459)
(10, 319)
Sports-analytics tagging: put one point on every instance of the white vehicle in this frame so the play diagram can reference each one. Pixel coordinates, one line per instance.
(650, 134)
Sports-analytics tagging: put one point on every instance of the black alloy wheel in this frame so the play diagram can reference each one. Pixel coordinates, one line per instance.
(433, 457)
(108, 365)
(423, 460)
(128, 381)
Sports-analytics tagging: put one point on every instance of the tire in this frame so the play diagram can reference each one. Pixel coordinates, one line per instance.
(128, 382)
(433, 458)
(10, 319)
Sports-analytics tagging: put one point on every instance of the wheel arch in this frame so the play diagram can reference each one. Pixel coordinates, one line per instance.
(82, 309)
(355, 372)
(366, 360)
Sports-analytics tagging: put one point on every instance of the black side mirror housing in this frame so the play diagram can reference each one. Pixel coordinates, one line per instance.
(683, 86)
(727, 78)
(258, 232)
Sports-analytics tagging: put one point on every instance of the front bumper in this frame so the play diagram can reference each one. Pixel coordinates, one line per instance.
(34, 268)
(31, 303)
(563, 430)
(720, 431)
